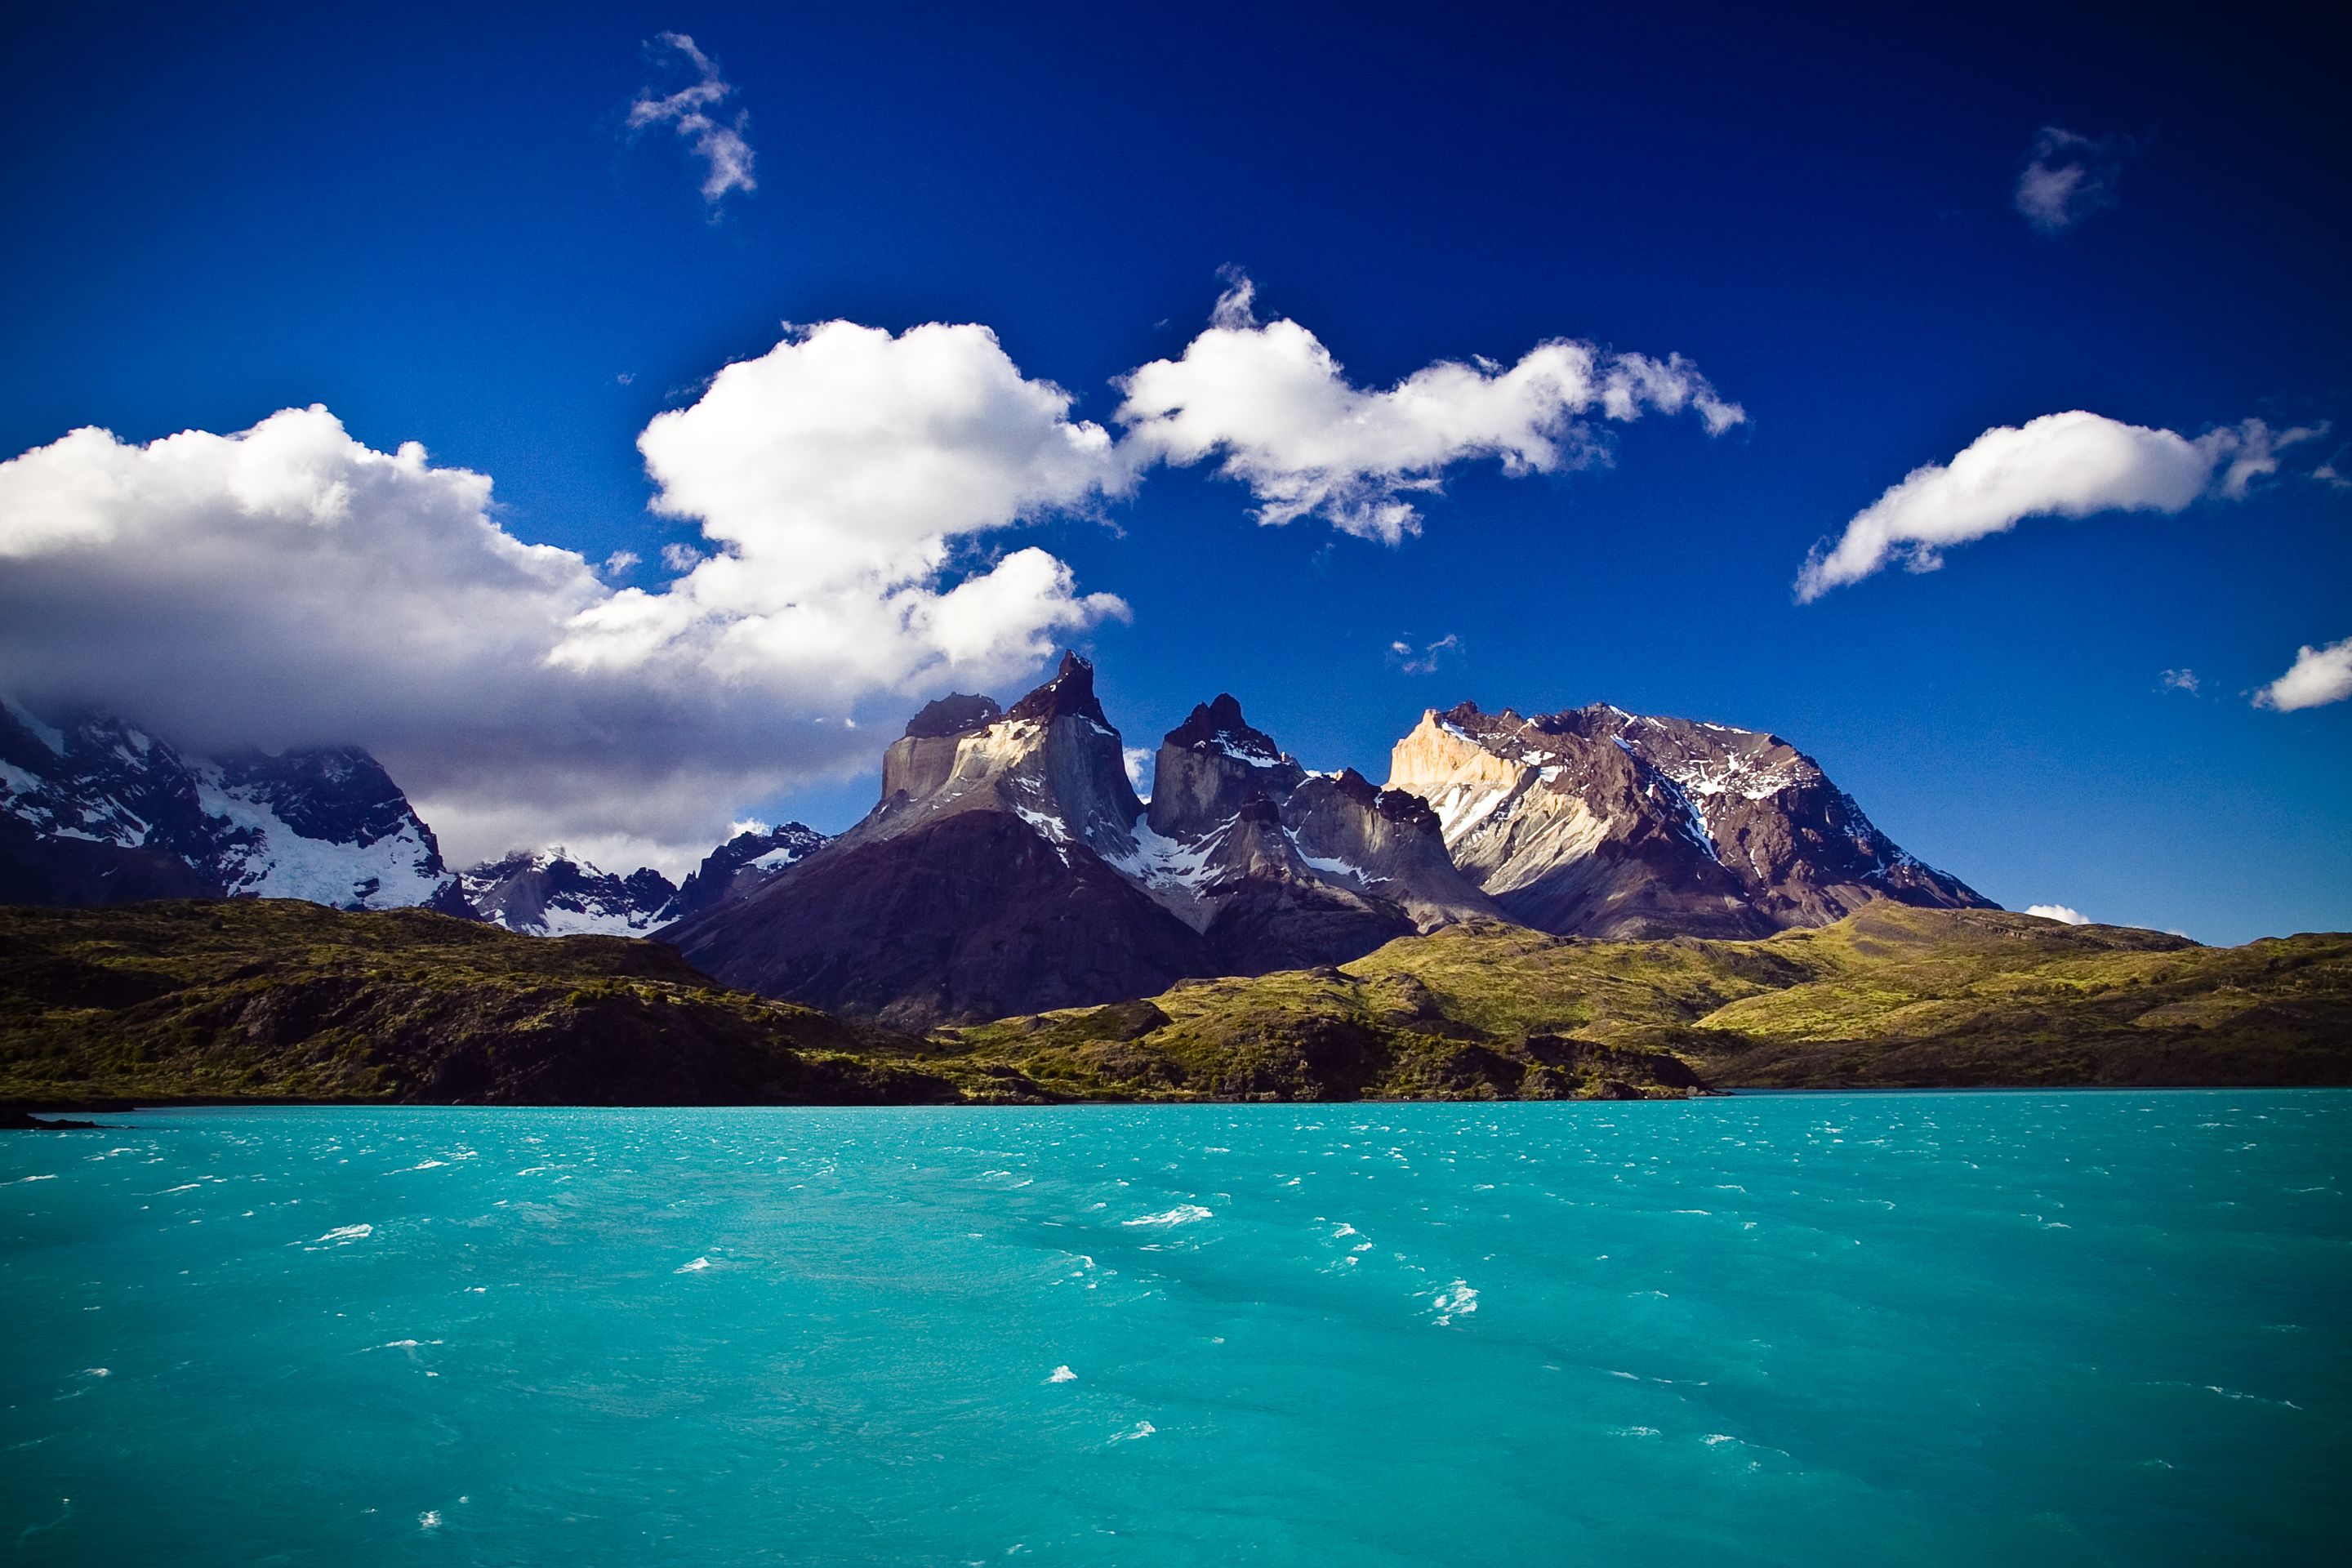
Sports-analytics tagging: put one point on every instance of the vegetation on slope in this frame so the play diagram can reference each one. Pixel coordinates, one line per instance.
(1891, 996)
(280, 1000)
(277, 999)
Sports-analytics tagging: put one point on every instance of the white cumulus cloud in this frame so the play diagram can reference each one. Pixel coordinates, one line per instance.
(2059, 912)
(2069, 177)
(1271, 401)
(720, 144)
(2061, 465)
(2318, 676)
(286, 584)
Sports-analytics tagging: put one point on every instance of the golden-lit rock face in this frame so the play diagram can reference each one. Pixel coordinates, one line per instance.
(1437, 760)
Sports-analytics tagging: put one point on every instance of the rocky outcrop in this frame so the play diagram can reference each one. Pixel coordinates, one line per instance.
(1596, 822)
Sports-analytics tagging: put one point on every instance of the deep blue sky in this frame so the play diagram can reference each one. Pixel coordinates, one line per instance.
(434, 223)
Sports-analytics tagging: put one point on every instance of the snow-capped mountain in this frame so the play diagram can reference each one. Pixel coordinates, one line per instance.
(1596, 822)
(103, 812)
(552, 892)
(549, 892)
(744, 864)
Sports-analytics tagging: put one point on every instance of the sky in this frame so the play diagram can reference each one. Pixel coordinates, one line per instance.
(620, 417)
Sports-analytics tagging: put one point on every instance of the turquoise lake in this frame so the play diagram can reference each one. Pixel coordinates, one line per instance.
(1898, 1328)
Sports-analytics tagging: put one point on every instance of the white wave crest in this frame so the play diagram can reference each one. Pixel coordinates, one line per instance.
(1182, 1214)
(1457, 1301)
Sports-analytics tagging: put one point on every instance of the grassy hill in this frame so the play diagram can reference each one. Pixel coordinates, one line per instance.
(279, 1000)
(1889, 997)
(276, 999)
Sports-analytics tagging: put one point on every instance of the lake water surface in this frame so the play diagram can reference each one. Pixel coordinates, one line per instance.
(2064, 1328)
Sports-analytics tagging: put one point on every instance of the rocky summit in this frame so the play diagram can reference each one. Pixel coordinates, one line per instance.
(1011, 866)
(1597, 822)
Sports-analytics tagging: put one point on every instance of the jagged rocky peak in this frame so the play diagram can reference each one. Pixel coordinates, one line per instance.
(1595, 821)
(1070, 694)
(1210, 765)
(1053, 761)
(551, 892)
(1280, 865)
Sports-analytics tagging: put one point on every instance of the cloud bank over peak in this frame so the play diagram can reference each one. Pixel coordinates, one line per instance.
(722, 146)
(287, 586)
(2318, 676)
(2061, 465)
(1270, 401)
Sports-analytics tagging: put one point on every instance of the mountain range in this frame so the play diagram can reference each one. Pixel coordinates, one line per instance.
(1011, 868)
(1009, 865)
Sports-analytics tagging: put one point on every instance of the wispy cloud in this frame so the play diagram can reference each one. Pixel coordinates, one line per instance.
(2318, 676)
(2060, 912)
(2179, 680)
(1425, 659)
(2061, 465)
(719, 143)
(1271, 401)
(2069, 177)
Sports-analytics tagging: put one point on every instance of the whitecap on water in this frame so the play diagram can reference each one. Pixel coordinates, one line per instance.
(696, 1266)
(1457, 1300)
(1140, 1429)
(1182, 1214)
(1062, 1375)
(344, 1234)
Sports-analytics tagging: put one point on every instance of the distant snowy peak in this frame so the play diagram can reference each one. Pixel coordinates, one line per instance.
(549, 892)
(1597, 822)
(745, 863)
(100, 810)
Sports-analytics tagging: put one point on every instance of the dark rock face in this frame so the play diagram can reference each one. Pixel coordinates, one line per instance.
(101, 811)
(552, 894)
(984, 882)
(746, 863)
(1595, 822)
(973, 915)
(1210, 765)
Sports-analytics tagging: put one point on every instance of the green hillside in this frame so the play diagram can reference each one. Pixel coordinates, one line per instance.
(250, 1000)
